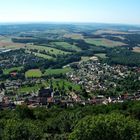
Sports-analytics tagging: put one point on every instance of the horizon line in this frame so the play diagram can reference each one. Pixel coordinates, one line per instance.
(65, 22)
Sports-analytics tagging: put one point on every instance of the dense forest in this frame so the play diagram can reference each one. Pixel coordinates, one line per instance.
(123, 56)
(100, 122)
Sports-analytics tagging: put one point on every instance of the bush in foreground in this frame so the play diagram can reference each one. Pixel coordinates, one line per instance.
(106, 127)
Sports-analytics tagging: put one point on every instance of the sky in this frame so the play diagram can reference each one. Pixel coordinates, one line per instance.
(98, 11)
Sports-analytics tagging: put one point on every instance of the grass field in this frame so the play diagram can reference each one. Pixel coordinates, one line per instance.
(33, 73)
(8, 71)
(101, 55)
(66, 83)
(57, 71)
(50, 50)
(55, 83)
(66, 45)
(40, 54)
(99, 32)
(104, 42)
(74, 36)
(84, 58)
(5, 39)
(27, 89)
(43, 55)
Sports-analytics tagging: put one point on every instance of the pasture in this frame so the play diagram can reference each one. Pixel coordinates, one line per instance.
(74, 36)
(36, 73)
(104, 42)
(84, 59)
(48, 49)
(28, 89)
(43, 55)
(14, 69)
(117, 32)
(101, 55)
(57, 83)
(57, 71)
(66, 84)
(65, 45)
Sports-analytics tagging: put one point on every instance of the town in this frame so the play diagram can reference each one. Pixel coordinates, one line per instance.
(94, 79)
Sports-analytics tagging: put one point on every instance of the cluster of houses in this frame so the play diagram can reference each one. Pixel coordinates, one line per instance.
(16, 58)
(44, 97)
(97, 76)
(47, 97)
(11, 85)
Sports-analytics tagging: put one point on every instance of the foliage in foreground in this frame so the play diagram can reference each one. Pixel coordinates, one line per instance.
(114, 121)
(104, 127)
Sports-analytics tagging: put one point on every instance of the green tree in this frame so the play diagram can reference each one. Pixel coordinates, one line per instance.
(106, 127)
(24, 112)
(21, 130)
(135, 110)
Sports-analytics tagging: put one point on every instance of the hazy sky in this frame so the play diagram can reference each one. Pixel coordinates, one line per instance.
(108, 11)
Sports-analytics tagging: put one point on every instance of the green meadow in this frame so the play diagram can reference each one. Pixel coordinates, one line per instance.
(48, 49)
(104, 42)
(65, 45)
(33, 73)
(57, 71)
(14, 69)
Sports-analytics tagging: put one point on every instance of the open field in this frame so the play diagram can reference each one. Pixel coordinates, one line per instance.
(5, 39)
(28, 89)
(104, 42)
(136, 49)
(48, 49)
(84, 58)
(43, 55)
(120, 37)
(99, 32)
(55, 83)
(56, 31)
(6, 42)
(57, 71)
(8, 71)
(101, 55)
(87, 58)
(74, 36)
(66, 45)
(33, 73)
(66, 83)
